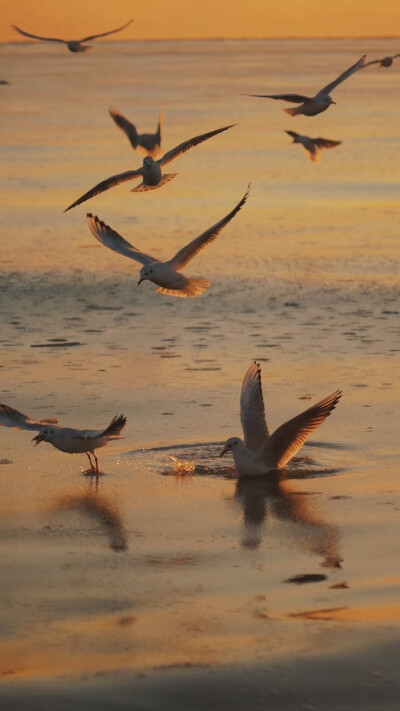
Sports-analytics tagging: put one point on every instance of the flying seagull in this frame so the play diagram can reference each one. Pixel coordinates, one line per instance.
(166, 275)
(73, 45)
(311, 106)
(260, 452)
(151, 171)
(65, 439)
(313, 145)
(150, 142)
(385, 62)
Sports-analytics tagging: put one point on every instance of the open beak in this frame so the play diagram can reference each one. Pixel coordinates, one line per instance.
(139, 282)
(224, 451)
(38, 439)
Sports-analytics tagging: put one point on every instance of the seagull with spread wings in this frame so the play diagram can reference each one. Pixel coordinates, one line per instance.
(311, 106)
(313, 145)
(149, 142)
(65, 439)
(166, 275)
(151, 171)
(73, 45)
(261, 451)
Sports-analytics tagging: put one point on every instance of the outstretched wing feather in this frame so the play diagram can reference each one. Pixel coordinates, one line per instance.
(286, 441)
(187, 253)
(111, 239)
(252, 411)
(183, 147)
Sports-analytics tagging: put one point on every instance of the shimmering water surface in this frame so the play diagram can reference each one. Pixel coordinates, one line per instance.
(171, 561)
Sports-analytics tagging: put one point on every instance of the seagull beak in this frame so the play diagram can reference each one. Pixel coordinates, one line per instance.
(224, 451)
(333, 102)
(139, 282)
(38, 439)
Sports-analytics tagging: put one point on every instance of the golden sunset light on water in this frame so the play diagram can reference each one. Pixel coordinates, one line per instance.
(234, 541)
(164, 19)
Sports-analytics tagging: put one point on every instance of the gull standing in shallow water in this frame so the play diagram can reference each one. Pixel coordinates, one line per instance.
(261, 452)
(150, 172)
(313, 145)
(73, 45)
(165, 274)
(150, 142)
(311, 106)
(65, 439)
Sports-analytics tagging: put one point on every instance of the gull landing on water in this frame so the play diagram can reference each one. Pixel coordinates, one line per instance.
(151, 171)
(73, 45)
(65, 439)
(311, 106)
(150, 142)
(166, 275)
(313, 145)
(261, 452)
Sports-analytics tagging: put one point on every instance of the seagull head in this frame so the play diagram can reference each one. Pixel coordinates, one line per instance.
(329, 100)
(45, 435)
(148, 161)
(146, 273)
(230, 445)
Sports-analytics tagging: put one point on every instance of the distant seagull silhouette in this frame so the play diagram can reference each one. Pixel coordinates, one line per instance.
(150, 142)
(4, 81)
(73, 45)
(385, 62)
(313, 145)
(261, 452)
(311, 106)
(150, 172)
(166, 275)
(65, 439)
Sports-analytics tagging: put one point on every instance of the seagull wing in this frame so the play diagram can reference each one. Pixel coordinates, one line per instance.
(395, 56)
(45, 39)
(113, 431)
(294, 98)
(126, 126)
(286, 441)
(12, 418)
(293, 134)
(106, 185)
(114, 241)
(327, 89)
(183, 147)
(325, 143)
(104, 34)
(187, 253)
(252, 412)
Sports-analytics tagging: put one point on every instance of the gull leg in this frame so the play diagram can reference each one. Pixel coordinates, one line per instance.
(92, 469)
(97, 463)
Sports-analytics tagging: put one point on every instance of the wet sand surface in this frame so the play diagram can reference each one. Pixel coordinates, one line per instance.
(170, 583)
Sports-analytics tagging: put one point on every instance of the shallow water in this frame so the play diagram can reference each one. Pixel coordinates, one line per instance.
(170, 560)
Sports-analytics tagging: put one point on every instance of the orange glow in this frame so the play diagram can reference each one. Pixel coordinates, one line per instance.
(205, 19)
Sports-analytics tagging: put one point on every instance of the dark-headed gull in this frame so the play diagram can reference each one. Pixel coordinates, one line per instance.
(151, 171)
(385, 62)
(73, 45)
(65, 439)
(166, 275)
(150, 142)
(261, 452)
(311, 106)
(313, 145)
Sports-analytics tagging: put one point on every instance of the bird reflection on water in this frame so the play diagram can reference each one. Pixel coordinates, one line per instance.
(273, 496)
(98, 508)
